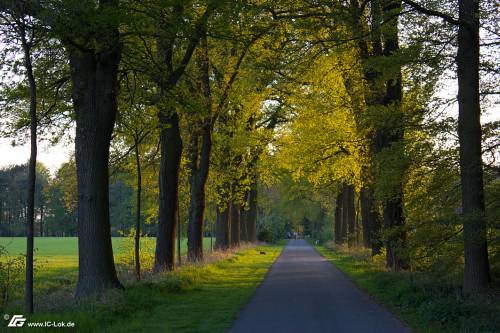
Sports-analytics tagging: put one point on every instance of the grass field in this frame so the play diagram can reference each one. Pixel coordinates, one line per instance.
(428, 304)
(193, 299)
(48, 247)
(56, 260)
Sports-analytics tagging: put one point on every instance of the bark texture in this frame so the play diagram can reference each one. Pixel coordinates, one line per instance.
(223, 227)
(370, 221)
(243, 224)
(170, 138)
(251, 214)
(369, 48)
(171, 151)
(200, 160)
(393, 207)
(476, 269)
(94, 76)
(235, 224)
(30, 218)
(350, 215)
(338, 218)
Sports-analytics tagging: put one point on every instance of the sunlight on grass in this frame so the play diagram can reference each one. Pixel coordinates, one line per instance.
(56, 261)
(193, 299)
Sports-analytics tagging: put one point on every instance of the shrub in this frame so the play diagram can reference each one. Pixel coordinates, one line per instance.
(11, 275)
(265, 235)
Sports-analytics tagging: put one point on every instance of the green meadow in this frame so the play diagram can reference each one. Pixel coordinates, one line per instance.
(194, 298)
(57, 247)
(56, 260)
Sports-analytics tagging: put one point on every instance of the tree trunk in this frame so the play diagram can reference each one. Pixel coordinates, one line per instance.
(338, 218)
(198, 180)
(138, 212)
(344, 234)
(351, 215)
(199, 169)
(357, 209)
(171, 151)
(235, 224)
(30, 222)
(170, 138)
(366, 216)
(396, 238)
(94, 92)
(476, 269)
(243, 224)
(223, 227)
(393, 207)
(251, 214)
(370, 221)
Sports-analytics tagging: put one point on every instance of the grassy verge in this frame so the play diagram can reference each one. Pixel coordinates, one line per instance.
(426, 303)
(194, 299)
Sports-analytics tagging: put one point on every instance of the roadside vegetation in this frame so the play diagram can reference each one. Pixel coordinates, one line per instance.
(195, 298)
(427, 303)
(56, 263)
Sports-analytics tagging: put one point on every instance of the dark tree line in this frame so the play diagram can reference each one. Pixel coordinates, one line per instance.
(55, 216)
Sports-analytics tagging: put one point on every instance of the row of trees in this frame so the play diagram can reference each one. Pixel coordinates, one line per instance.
(383, 142)
(55, 202)
(154, 89)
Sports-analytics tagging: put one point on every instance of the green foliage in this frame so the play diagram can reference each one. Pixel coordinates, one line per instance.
(127, 252)
(11, 276)
(289, 206)
(428, 303)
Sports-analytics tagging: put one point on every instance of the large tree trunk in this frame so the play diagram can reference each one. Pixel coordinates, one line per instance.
(396, 238)
(170, 138)
(171, 151)
(393, 207)
(476, 269)
(138, 212)
(196, 205)
(198, 180)
(370, 221)
(223, 227)
(30, 221)
(235, 224)
(200, 160)
(95, 90)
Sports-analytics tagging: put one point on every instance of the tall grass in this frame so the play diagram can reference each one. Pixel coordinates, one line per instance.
(427, 302)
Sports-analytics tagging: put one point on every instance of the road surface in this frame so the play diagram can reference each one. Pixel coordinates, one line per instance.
(305, 293)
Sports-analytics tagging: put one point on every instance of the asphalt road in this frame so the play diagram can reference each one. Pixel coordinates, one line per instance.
(305, 293)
